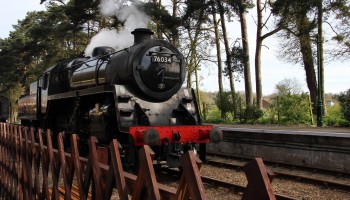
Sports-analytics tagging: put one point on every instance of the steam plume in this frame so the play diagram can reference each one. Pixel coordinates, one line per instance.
(125, 11)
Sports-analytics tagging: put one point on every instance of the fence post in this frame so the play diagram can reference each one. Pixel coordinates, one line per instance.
(19, 192)
(13, 184)
(191, 184)
(95, 168)
(53, 165)
(44, 167)
(117, 167)
(258, 181)
(7, 162)
(36, 157)
(2, 154)
(67, 175)
(146, 184)
(24, 153)
(82, 182)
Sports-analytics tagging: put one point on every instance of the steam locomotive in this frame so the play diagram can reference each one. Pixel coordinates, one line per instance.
(133, 95)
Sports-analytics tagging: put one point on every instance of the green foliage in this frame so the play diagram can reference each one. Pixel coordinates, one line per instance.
(237, 59)
(271, 114)
(241, 6)
(38, 42)
(214, 116)
(290, 106)
(13, 94)
(250, 114)
(224, 102)
(293, 109)
(344, 99)
(165, 22)
(335, 117)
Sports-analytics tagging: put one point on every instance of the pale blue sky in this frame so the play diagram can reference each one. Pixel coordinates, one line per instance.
(13, 10)
(337, 74)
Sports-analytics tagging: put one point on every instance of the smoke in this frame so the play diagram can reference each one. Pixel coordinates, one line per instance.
(127, 12)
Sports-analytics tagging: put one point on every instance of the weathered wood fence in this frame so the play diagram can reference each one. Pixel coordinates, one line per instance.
(31, 170)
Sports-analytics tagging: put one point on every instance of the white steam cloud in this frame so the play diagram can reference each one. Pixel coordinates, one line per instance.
(125, 11)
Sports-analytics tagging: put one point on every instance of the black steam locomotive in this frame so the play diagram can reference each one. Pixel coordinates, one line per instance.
(4, 109)
(133, 95)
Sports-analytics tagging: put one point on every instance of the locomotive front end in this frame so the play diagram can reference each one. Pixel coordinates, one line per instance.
(155, 68)
(151, 106)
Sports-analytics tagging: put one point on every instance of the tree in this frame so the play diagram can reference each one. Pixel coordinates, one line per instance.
(340, 26)
(167, 24)
(229, 67)
(224, 102)
(240, 7)
(259, 40)
(218, 54)
(344, 99)
(292, 105)
(251, 114)
(301, 18)
(38, 42)
(237, 58)
(298, 27)
(288, 86)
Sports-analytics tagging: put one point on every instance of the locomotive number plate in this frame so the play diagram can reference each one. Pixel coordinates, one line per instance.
(161, 59)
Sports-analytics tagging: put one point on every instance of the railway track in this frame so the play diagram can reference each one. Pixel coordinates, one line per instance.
(236, 188)
(283, 171)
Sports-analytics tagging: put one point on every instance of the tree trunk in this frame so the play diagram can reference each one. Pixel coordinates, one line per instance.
(228, 56)
(218, 50)
(258, 56)
(259, 39)
(190, 67)
(194, 41)
(158, 30)
(247, 77)
(176, 36)
(197, 88)
(306, 51)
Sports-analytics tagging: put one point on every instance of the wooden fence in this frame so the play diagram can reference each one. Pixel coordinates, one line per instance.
(31, 170)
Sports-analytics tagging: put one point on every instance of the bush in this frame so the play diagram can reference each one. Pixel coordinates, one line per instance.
(334, 117)
(293, 109)
(214, 116)
(224, 102)
(344, 99)
(218, 120)
(251, 114)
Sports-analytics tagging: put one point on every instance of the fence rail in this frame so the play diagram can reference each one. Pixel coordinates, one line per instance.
(31, 170)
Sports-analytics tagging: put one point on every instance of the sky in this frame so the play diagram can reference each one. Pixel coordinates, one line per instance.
(274, 70)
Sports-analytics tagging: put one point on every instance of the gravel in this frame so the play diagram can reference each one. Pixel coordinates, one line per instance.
(290, 188)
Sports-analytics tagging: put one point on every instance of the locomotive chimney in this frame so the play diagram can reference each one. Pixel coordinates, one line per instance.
(141, 35)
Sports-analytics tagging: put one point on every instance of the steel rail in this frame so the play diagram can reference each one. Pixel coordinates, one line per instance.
(282, 174)
(227, 185)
